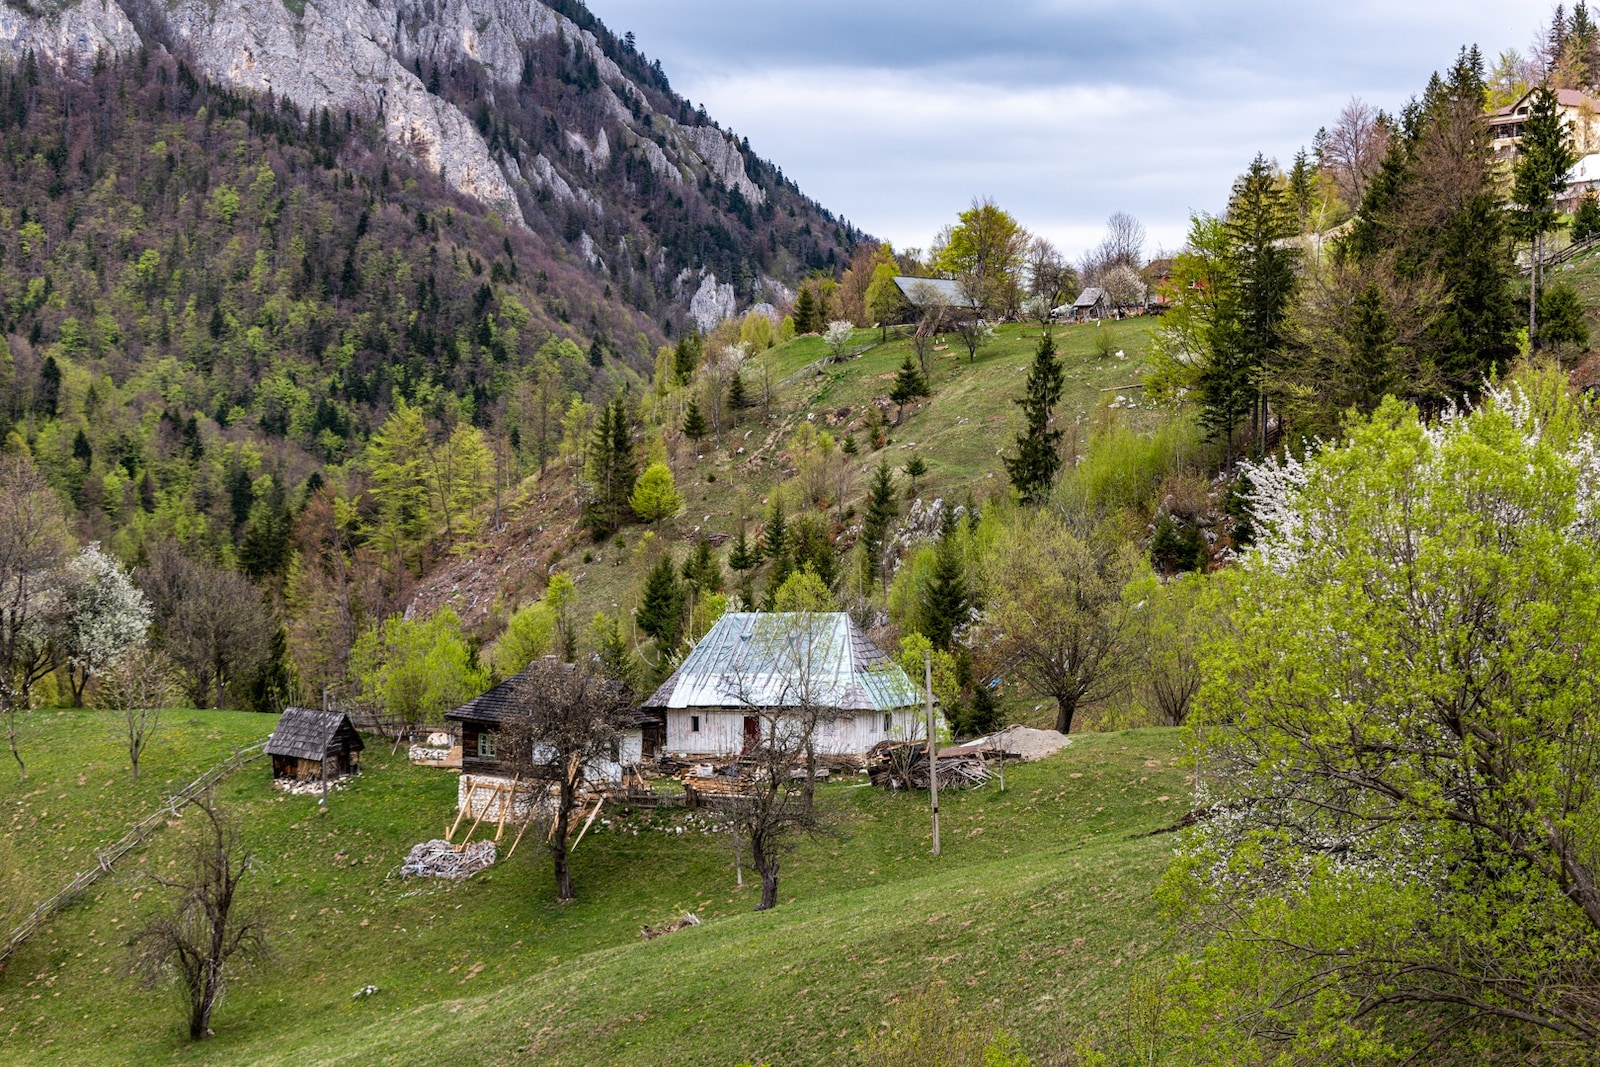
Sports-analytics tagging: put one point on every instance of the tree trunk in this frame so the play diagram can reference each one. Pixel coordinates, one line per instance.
(1533, 289)
(558, 844)
(1066, 708)
(764, 856)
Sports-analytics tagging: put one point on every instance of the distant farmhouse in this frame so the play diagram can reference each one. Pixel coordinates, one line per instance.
(924, 293)
(753, 663)
(1092, 303)
(1580, 111)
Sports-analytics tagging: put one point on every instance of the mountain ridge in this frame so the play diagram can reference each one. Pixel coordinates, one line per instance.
(542, 114)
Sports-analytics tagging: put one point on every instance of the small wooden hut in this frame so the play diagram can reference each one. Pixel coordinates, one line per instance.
(306, 741)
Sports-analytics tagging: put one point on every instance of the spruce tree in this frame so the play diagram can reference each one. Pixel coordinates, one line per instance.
(1033, 468)
(881, 511)
(736, 394)
(1586, 220)
(1258, 222)
(609, 468)
(1540, 173)
(806, 318)
(947, 601)
(742, 555)
(694, 423)
(701, 570)
(660, 612)
(775, 539)
(909, 383)
(686, 356)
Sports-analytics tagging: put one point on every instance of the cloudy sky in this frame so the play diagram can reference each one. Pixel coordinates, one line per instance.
(896, 114)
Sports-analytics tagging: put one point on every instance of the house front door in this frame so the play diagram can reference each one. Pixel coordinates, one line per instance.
(752, 732)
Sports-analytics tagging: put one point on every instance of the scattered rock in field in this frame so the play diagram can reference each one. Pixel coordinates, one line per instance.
(650, 933)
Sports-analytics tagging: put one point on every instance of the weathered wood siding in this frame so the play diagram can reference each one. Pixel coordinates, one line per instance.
(721, 731)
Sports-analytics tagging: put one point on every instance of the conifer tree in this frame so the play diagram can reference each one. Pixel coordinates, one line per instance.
(701, 570)
(610, 468)
(743, 558)
(947, 601)
(881, 511)
(1258, 222)
(686, 357)
(660, 612)
(807, 317)
(775, 539)
(736, 394)
(1540, 173)
(908, 383)
(694, 423)
(1033, 468)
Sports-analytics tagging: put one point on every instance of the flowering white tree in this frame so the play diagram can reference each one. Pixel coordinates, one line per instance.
(1396, 742)
(837, 335)
(103, 615)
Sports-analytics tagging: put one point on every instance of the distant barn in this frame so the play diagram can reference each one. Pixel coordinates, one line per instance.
(306, 741)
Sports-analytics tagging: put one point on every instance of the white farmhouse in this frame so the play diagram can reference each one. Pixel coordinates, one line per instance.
(754, 663)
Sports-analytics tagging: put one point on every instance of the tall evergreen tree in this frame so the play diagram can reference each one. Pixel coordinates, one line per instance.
(947, 601)
(1257, 225)
(1540, 173)
(775, 539)
(1037, 460)
(882, 507)
(908, 383)
(660, 612)
(694, 423)
(807, 316)
(686, 356)
(610, 468)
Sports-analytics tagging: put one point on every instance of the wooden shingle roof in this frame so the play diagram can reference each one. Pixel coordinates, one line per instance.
(306, 733)
(506, 700)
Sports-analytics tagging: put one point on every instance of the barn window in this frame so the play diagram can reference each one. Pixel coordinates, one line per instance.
(888, 721)
(486, 745)
(694, 724)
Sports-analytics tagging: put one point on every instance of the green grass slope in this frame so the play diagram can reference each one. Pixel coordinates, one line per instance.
(1034, 916)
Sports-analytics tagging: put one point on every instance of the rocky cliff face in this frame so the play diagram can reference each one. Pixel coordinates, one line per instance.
(552, 165)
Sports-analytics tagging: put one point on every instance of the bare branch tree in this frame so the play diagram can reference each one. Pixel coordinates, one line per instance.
(210, 620)
(779, 796)
(206, 929)
(33, 540)
(572, 719)
(1354, 149)
(138, 684)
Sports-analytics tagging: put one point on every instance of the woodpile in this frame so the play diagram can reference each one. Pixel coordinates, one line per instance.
(440, 859)
(904, 765)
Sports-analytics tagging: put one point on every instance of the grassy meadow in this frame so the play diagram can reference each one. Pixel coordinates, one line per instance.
(1034, 917)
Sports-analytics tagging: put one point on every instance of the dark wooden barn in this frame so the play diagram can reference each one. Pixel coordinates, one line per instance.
(306, 739)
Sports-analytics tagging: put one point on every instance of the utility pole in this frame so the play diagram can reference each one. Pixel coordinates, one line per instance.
(933, 747)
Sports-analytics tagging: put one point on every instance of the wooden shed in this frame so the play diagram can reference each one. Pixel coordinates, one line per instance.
(306, 740)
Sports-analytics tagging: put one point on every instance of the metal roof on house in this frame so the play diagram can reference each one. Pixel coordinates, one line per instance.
(926, 292)
(1585, 170)
(306, 733)
(787, 659)
(1089, 297)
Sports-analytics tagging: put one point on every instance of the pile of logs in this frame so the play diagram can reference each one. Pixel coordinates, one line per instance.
(901, 765)
(440, 859)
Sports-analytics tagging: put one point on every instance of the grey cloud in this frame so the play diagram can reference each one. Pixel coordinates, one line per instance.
(895, 114)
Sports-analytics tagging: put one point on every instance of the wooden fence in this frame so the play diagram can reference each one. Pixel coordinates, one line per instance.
(106, 857)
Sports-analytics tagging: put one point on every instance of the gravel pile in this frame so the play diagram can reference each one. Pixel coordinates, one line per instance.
(1025, 743)
(439, 859)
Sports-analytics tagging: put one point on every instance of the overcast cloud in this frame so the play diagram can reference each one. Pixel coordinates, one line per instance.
(896, 114)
